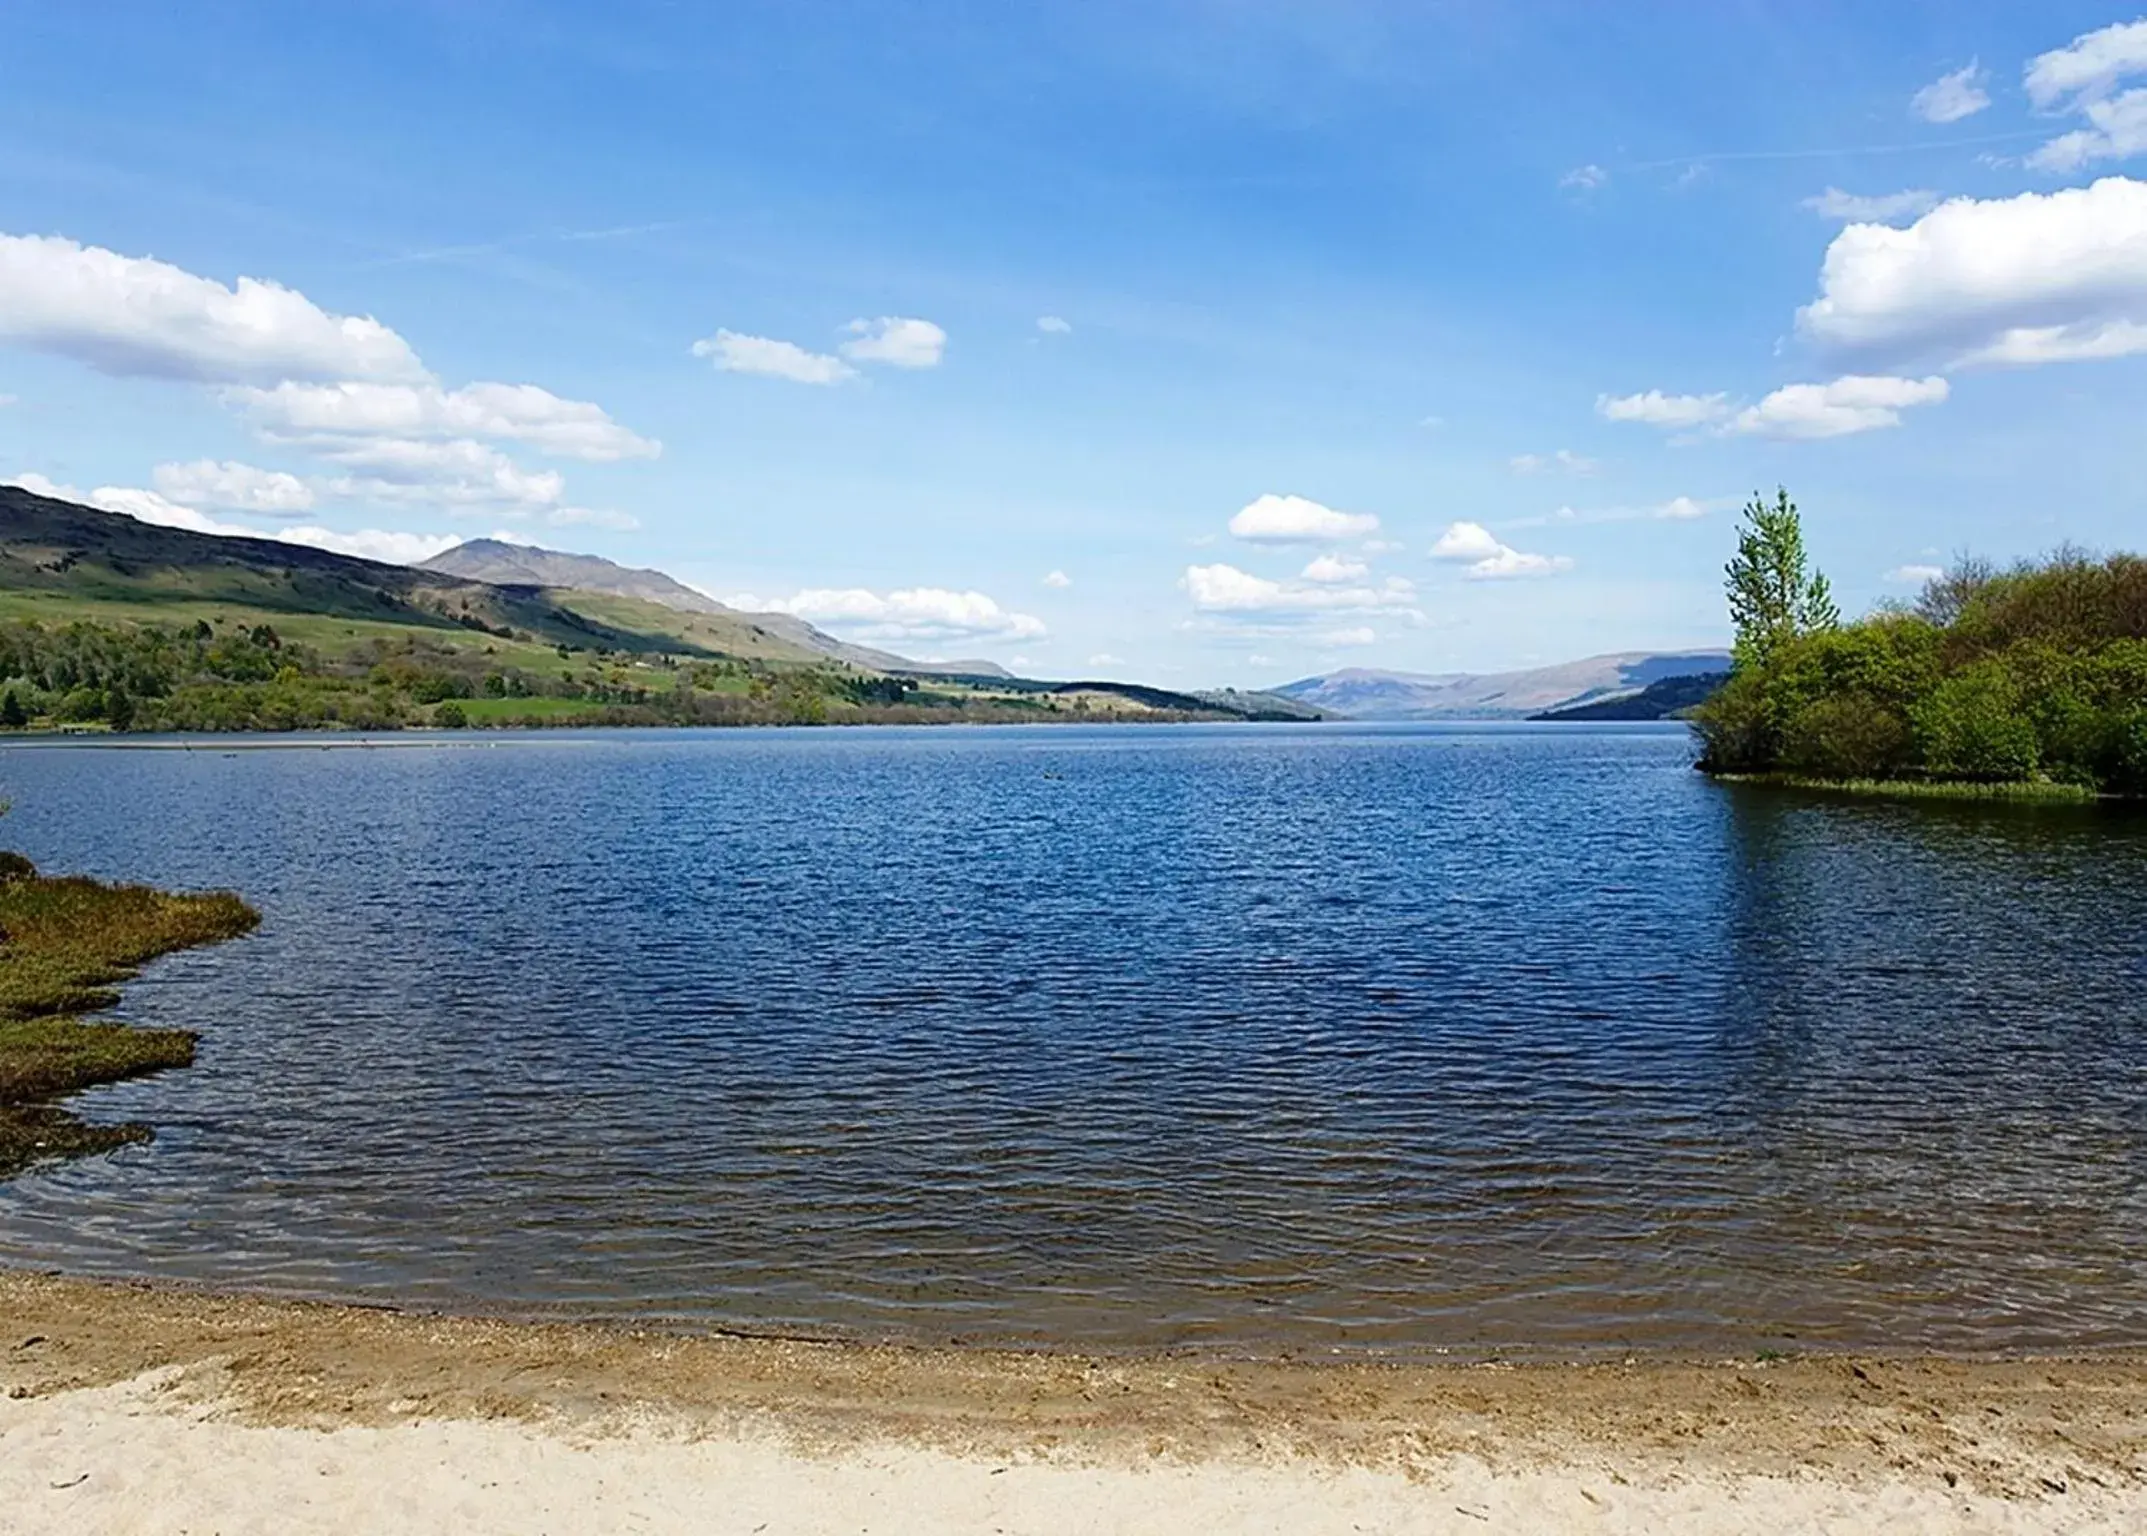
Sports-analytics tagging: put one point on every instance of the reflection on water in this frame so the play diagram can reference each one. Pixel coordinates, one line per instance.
(1267, 1039)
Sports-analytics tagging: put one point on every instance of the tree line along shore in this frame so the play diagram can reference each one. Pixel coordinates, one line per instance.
(2028, 682)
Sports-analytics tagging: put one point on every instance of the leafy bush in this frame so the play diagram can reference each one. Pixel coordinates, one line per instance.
(2035, 673)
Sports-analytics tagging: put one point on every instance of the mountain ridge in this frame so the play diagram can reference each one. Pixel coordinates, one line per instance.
(1367, 693)
(503, 563)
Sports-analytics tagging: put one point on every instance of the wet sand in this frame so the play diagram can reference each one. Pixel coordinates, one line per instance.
(128, 1408)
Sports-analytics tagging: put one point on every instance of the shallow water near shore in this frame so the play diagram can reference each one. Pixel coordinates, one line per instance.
(1269, 1040)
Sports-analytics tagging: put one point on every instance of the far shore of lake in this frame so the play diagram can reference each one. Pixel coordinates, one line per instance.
(236, 1413)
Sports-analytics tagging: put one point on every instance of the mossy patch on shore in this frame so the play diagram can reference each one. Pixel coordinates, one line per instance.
(2035, 791)
(64, 944)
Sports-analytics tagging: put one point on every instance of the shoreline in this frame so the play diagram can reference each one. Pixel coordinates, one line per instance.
(143, 1383)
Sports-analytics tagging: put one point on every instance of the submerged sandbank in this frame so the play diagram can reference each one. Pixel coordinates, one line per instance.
(127, 1407)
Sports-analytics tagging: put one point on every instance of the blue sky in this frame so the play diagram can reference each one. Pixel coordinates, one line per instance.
(975, 330)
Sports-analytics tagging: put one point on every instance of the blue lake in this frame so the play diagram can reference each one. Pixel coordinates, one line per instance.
(1265, 1039)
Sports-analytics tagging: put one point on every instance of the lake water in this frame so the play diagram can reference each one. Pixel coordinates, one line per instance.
(1264, 1039)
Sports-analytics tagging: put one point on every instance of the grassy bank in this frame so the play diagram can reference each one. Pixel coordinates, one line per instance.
(2045, 793)
(64, 944)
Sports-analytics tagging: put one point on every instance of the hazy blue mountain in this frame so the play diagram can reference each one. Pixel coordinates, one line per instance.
(1364, 693)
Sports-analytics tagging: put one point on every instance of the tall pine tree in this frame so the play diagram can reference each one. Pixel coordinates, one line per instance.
(1774, 595)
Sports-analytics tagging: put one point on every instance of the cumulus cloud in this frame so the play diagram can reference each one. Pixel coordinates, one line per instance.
(1915, 575)
(1331, 570)
(1052, 325)
(1353, 635)
(1484, 558)
(1952, 97)
(1226, 589)
(385, 545)
(2116, 130)
(1565, 461)
(1057, 579)
(734, 352)
(1679, 509)
(1584, 178)
(897, 342)
(1854, 403)
(1884, 208)
(521, 413)
(1295, 520)
(2088, 67)
(234, 486)
(2041, 277)
(914, 613)
(134, 316)
(395, 548)
(459, 475)
(1656, 409)
(2082, 77)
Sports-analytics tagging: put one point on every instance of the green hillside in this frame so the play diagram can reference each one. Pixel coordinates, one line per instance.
(111, 623)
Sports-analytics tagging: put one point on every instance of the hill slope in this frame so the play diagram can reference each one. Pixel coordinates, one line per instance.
(1366, 694)
(1665, 699)
(55, 556)
(504, 564)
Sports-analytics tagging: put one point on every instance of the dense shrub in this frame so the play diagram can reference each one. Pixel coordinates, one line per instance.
(2039, 672)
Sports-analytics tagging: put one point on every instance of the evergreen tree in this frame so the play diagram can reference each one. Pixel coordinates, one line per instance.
(12, 715)
(1774, 596)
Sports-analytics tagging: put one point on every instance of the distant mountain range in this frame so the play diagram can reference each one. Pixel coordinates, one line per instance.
(502, 564)
(1362, 693)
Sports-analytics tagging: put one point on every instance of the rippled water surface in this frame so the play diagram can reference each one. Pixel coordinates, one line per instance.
(1267, 1039)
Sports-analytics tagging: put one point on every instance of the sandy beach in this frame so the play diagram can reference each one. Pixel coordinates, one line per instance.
(137, 1409)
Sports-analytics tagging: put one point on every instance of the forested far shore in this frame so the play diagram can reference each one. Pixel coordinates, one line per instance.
(2032, 674)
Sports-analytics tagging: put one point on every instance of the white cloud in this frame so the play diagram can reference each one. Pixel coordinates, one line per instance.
(1884, 208)
(237, 487)
(2117, 130)
(1294, 520)
(1104, 659)
(521, 413)
(914, 613)
(1565, 460)
(1510, 563)
(1476, 547)
(1952, 97)
(1915, 575)
(460, 475)
(1356, 634)
(1052, 325)
(1466, 541)
(2086, 68)
(1057, 579)
(1584, 178)
(1330, 570)
(2041, 277)
(1680, 509)
(381, 544)
(134, 316)
(897, 342)
(1226, 589)
(1656, 409)
(592, 517)
(1855, 403)
(769, 358)
(148, 507)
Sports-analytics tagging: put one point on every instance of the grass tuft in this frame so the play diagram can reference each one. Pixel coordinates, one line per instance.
(2036, 791)
(64, 944)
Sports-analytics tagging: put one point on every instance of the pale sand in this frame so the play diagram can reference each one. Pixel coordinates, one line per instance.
(135, 1410)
